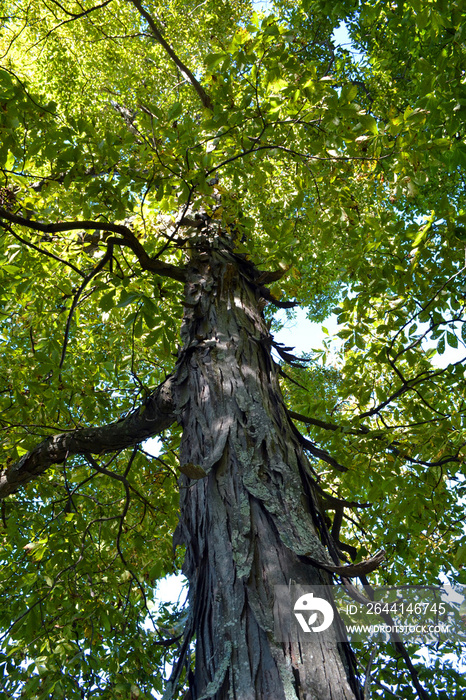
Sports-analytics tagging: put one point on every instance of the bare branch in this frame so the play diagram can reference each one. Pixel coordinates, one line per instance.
(155, 415)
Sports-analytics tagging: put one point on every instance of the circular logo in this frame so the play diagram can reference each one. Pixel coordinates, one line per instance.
(310, 605)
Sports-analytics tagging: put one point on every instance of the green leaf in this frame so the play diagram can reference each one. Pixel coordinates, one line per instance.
(251, 159)
(369, 123)
(460, 556)
(127, 298)
(107, 301)
(452, 340)
(441, 345)
(175, 111)
(36, 549)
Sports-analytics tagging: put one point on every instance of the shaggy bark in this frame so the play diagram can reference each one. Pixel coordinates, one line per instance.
(249, 514)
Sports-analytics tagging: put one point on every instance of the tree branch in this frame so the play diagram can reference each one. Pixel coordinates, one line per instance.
(397, 642)
(81, 14)
(40, 250)
(317, 451)
(127, 239)
(327, 426)
(203, 96)
(155, 415)
(95, 271)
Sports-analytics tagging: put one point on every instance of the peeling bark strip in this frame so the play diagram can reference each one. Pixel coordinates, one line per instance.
(248, 508)
(147, 420)
(361, 569)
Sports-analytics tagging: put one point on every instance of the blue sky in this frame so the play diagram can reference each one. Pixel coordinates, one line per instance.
(305, 336)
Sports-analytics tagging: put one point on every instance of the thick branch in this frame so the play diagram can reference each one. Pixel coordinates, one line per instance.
(127, 239)
(204, 97)
(374, 435)
(148, 420)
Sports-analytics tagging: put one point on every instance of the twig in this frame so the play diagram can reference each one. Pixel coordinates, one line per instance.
(203, 96)
(87, 279)
(39, 250)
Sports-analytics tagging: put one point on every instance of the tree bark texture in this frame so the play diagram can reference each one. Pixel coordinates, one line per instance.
(249, 514)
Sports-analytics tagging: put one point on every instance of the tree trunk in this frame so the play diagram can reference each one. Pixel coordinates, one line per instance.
(248, 510)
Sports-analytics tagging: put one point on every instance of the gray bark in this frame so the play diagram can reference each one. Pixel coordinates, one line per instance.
(249, 514)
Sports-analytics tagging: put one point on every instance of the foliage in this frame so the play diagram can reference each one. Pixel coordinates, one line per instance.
(346, 172)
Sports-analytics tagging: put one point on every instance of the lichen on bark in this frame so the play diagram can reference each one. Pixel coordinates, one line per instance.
(248, 524)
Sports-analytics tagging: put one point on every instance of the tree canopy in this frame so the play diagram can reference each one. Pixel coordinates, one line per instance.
(339, 172)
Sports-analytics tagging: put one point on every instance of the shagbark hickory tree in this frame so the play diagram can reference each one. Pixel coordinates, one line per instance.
(170, 175)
